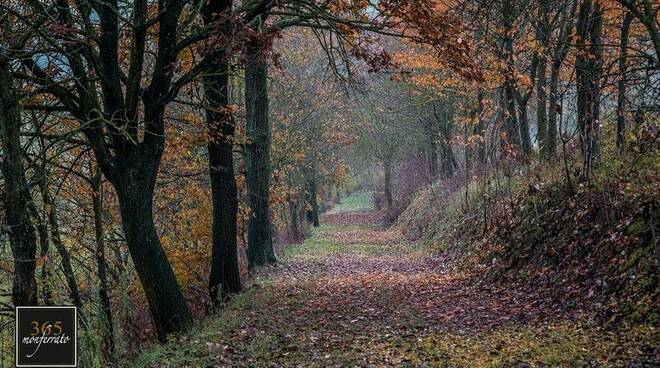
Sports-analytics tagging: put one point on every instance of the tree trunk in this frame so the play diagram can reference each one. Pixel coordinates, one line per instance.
(480, 130)
(621, 98)
(596, 49)
(44, 248)
(554, 108)
(511, 125)
(511, 122)
(525, 139)
(69, 274)
(559, 54)
(522, 96)
(313, 212)
(167, 304)
(543, 32)
(388, 183)
(587, 70)
(224, 278)
(432, 149)
(449, 164)
(294, 229)
(18, 225)
(46, 268)
(97, 200)
(541, 107)
(41, 224)
(257, 158)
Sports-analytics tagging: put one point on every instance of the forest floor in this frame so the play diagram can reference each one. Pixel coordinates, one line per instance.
(355, 294)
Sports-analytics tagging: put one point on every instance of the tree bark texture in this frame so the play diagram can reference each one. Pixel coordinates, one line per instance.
(224, 278)
(588, 72)
(167, 304)
(312, 193)
(542, 106)
(101, 264)
(18, 224)
(257, 158)
(623, 71)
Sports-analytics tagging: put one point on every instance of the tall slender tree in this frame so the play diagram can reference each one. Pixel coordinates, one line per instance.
(224, 278)
(588, 65)
(623, 74)
(511, 125)
(18, 224)
(543, 37)
(257, 152)
(561, 49)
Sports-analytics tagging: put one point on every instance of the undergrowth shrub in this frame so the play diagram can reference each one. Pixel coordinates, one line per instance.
(596, 242)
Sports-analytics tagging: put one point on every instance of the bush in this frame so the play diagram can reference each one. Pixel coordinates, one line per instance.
(595, 244)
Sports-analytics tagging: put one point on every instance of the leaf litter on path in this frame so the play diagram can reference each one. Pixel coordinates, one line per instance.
(361, 296)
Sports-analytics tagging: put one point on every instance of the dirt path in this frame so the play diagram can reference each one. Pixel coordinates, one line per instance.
(355, 294)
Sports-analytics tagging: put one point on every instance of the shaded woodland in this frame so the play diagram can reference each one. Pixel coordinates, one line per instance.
(208, 170)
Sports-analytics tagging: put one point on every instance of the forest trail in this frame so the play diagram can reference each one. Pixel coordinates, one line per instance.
(356, 294)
